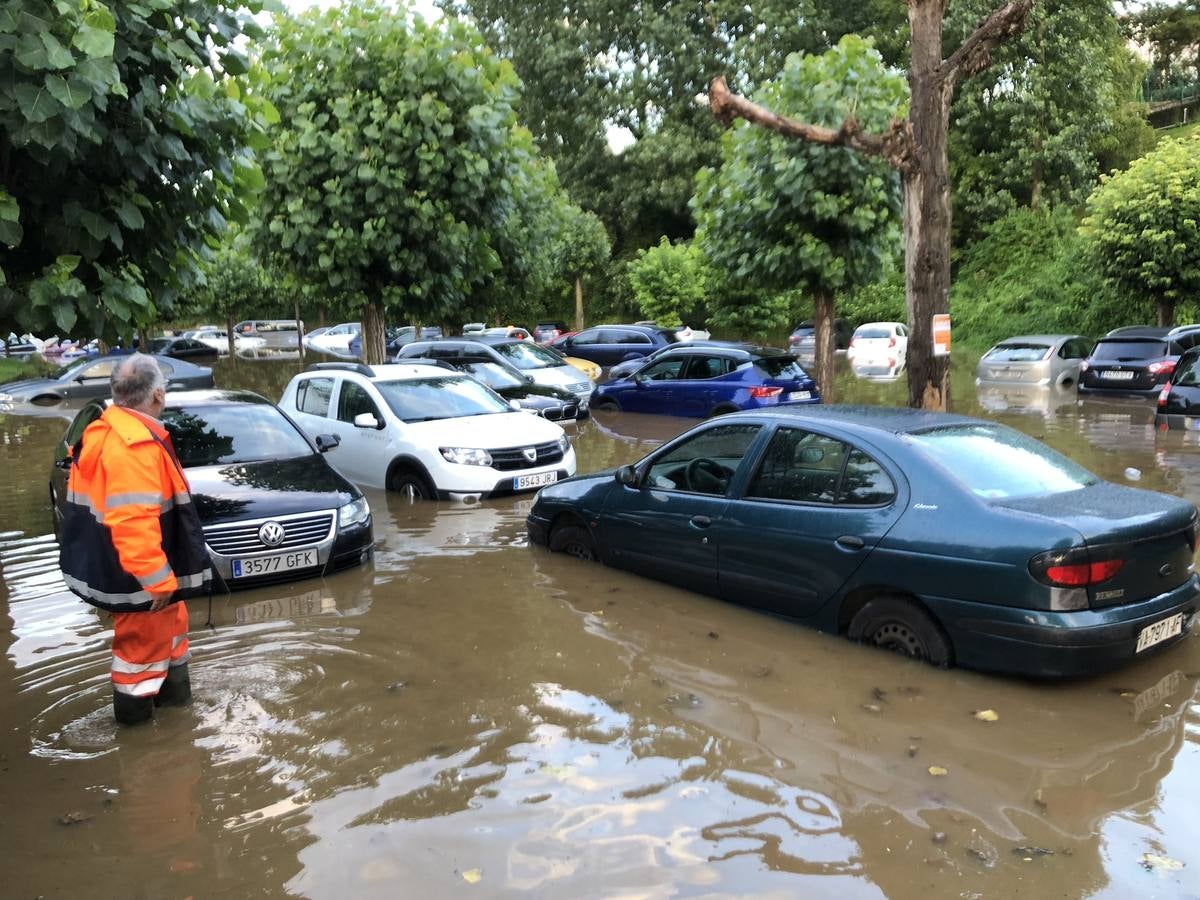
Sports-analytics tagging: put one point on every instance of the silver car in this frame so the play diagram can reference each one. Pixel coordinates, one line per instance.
(1047, 360)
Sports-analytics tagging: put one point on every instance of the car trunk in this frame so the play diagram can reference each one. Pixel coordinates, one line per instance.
(784, 374)
(1153, 535)
(1021, 372)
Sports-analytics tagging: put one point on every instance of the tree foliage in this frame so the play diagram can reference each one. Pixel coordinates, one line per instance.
(1143, 225)
(126, 136)
(395, 168)
(671, 283)
(1172, 32)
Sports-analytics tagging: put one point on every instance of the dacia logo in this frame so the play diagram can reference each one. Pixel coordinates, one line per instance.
(530, 454)
(271, 534)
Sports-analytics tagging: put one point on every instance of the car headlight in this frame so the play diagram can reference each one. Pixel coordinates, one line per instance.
(563, 444)
(467, 456)
(354, 513)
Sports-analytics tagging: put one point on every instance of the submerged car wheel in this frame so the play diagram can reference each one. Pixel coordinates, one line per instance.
(411, 486)
(573, 540)
(899, 625)
(605, 404)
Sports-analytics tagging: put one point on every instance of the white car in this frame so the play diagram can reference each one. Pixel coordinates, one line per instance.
(218, 339)
(336, 339)
(879, 343)
(426, 433)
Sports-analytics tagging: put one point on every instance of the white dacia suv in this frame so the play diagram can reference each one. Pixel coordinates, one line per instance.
(426, 433)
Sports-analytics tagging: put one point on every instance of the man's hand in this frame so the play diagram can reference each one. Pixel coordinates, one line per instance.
(159, 599)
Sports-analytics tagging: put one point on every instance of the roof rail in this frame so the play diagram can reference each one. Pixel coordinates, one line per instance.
(360, 368)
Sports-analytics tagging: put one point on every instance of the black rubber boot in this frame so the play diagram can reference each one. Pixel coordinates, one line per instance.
(176, 689)
(132, 710)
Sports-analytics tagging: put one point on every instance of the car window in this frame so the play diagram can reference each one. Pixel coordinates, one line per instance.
(1187, 373)
(779, 367)
(873, 333)
(102, 369)
(165, 369)
(428, 399)
(902, 330)
(237, 433)
(586, 338)
(801, 466)
(703, 367)
(864, 482)
(1017, 351)
(664, 370)
(631, 337)
(996, 462)
(313, 396)
(526, 355)
(705, 463)
(1129, 350)
(353, 400)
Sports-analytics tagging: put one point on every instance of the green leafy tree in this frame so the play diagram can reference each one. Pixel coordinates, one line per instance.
(1172, 31)
(786, 214)
(233, 282)
(1143, 225)
(126, 138)
(580, 249)
(396, 166)
(671, 282)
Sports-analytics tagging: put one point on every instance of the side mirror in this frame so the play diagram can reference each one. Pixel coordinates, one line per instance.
(326, 442)
(626, 475)
(529, 378)
(365, 420)
(514, 405)
(639, 379)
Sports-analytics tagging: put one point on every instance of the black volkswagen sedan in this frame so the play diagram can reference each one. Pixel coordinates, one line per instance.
(91, 377)
(945, 538)
(272, 508)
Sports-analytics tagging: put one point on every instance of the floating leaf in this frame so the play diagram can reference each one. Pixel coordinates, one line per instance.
(1152, 862)
(472, 876)
(987, 715)
(938, 770)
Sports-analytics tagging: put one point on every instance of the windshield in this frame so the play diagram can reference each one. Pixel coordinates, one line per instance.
(1129, 351)
(1018, 353)
(780, 367)
(524, 355)
(427, 399)
(1187, 373)
(237, 433)
(492, 374)
(996, 462)
(158, 345)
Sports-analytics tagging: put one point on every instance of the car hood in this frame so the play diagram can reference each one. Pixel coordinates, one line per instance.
(29, 386)
(1106, 512)
(273, 487)
(539, 396)
(487, 432)
(560, 375)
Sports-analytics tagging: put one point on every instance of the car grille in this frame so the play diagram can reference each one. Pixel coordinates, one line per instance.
(557, 413)
(240, 538)
(514, 457)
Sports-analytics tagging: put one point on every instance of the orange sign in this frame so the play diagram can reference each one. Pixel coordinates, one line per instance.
(941, 335)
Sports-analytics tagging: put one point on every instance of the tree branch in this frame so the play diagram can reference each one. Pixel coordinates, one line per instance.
(975, 54)
(896, 147)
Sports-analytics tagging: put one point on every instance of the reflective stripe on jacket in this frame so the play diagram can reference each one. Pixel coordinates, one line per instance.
(129, 527)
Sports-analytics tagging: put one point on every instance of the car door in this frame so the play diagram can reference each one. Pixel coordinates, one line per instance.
(362, 456)
(655, 389)
(700, 390)
(92, 381)
(813, 511)
(669, 525)
(64, 449)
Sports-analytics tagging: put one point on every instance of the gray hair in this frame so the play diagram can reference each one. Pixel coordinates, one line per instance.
(135, 380)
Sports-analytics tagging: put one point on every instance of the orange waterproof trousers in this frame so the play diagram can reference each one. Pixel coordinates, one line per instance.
(145, 645)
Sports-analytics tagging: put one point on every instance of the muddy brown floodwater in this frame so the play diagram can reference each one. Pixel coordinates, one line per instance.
(470, 716)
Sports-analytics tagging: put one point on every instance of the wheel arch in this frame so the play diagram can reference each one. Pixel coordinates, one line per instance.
(407, 463)
(854, 601)
(567, 517)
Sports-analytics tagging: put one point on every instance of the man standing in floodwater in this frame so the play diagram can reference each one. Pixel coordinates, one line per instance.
(131, 541)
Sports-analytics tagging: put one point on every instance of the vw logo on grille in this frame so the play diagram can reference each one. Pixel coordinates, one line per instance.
(530, 454)
(271, 534)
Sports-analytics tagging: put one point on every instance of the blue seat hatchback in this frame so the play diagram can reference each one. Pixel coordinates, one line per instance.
(708, 380)
(944, 538)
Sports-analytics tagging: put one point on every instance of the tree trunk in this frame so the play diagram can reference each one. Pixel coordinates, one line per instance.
(321, 314)
(1166, 313)
(927, 208)
(143, 340)
(823, 313)
(372, 333)
(229, 335)
(299, 327)
(578, 303)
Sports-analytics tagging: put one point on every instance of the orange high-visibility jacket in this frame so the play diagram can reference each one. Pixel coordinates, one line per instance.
(129, 526)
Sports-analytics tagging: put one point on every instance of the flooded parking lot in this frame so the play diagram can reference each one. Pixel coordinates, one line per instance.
(467, 714)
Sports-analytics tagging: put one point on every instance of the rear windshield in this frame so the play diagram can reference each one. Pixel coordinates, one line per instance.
(524, 355)
(873, 333)
(1018, 353)
(996, 462)
(779, 367)
(1129, 351)
(427, 399)
(238, 433)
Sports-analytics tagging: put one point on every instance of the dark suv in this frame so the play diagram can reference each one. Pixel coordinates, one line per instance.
(803, 339)
(1136, 360)
(545, 332)
(607, 345)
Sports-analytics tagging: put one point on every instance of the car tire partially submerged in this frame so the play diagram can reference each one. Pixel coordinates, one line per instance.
(573, 540)
(900, 625)
(412, 486)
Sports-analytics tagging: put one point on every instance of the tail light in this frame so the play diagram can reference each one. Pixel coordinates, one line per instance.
(1162, 367)
(852, 341)
(763, 392)
(1073, 568)
(891, 342)
(1164, 394)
